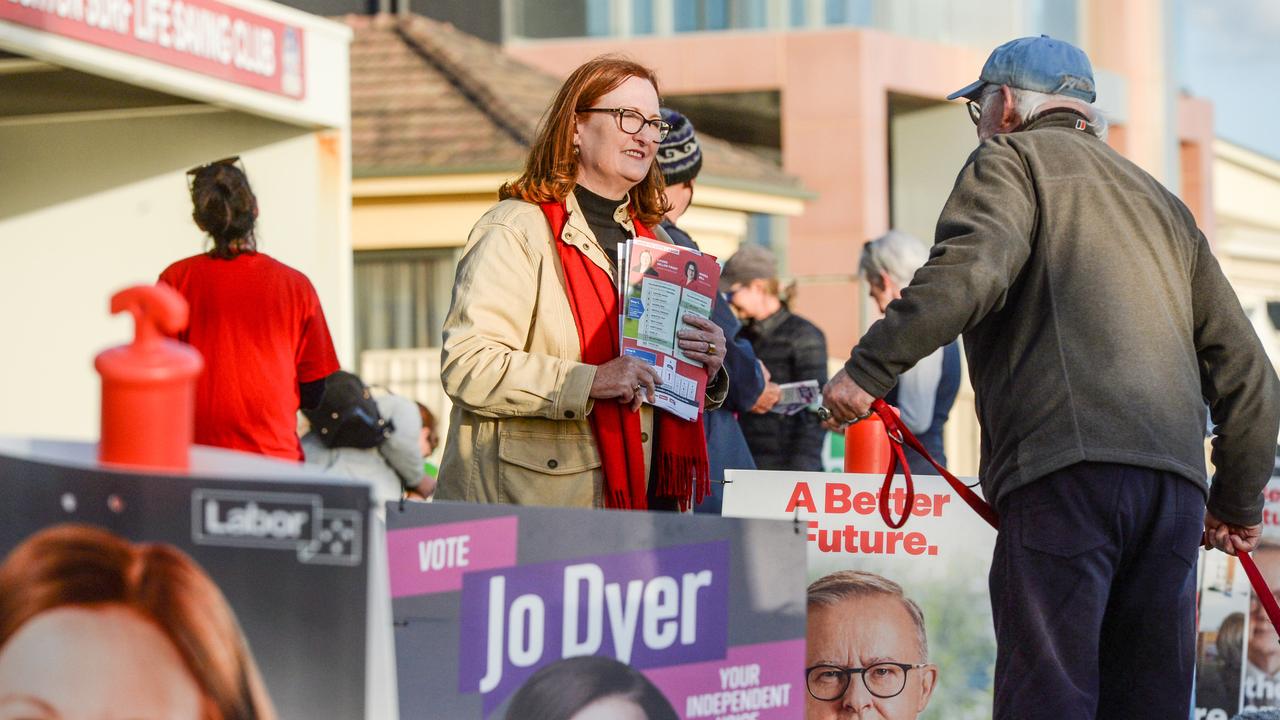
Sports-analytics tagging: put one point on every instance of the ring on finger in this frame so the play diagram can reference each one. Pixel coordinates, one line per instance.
(711, 348)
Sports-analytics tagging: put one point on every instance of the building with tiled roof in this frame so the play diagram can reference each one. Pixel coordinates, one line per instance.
(428, 98)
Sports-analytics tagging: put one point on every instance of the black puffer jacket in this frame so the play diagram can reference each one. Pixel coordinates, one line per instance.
(793, 349)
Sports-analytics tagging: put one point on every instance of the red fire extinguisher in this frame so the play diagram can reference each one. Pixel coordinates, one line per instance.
(148, 387)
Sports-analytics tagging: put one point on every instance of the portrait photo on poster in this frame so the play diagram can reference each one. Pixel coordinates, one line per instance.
(220, 560)
(925, 581)
(140, 626)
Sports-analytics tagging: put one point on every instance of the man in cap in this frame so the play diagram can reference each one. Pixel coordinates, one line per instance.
(680, 159)
(1098, 325)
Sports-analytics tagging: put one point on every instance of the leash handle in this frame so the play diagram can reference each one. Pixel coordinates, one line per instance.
(900, 435)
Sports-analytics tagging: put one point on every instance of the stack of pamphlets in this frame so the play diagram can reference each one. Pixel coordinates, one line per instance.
(658, 285)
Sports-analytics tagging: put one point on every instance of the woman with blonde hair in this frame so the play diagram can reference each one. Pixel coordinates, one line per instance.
(545, 410)
(93, 626)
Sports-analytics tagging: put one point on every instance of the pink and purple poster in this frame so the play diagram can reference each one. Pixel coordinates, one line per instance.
(504, 612)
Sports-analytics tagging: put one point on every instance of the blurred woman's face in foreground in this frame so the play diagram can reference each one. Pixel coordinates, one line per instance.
(94, 663)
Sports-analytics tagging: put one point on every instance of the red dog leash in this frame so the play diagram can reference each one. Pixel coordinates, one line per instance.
(1261, 589)
(900, 437)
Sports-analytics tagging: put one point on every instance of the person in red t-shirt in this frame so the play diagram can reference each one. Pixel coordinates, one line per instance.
(257, 322)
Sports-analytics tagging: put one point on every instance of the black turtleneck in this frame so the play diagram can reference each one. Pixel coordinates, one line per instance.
(598, 212)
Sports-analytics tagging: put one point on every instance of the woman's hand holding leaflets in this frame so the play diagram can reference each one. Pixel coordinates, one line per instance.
(626, 379)
(705, 343)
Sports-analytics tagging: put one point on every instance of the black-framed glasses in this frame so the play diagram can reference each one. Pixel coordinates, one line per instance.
(975, 111)
(632, 122)
(233, 161)
(975, 106)
(883, 679)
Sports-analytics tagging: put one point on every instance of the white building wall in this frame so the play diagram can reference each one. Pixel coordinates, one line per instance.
(94, 202)
(1246, 197)
(93, 207)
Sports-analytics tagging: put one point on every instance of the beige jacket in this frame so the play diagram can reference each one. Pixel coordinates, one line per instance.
(519, 431)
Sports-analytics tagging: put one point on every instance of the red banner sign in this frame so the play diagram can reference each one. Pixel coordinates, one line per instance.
(204, 36)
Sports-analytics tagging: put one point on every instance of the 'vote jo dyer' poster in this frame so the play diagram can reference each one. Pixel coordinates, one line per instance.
(508, 612)
(940, 558)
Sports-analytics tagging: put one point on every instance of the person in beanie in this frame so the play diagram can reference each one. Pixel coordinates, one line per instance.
(792, 349)
(680, 160)
(1098, 325)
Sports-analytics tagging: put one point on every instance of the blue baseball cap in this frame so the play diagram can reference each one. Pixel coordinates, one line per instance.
(1041, 64)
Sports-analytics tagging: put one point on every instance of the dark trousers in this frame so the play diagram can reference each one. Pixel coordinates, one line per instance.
(1093, 595)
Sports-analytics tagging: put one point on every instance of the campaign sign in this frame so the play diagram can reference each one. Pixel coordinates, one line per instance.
(254, 572)
(491, 601)
(940, 558)
(1261, 655)
(1223, 638)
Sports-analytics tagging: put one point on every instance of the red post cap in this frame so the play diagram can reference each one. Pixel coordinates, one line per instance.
(866, 446)
(148, 386)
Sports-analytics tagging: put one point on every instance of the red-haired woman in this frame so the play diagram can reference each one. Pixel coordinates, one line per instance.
(545, 412)
(93, 626)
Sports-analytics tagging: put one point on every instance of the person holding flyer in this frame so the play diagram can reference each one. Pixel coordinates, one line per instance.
(1098, 325)
(793, 350)
(546, 410)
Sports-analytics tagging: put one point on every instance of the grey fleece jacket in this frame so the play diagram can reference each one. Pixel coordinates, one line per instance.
(1096, 321)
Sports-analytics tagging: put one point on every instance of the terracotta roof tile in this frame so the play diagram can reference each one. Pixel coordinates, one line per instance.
(426, 97)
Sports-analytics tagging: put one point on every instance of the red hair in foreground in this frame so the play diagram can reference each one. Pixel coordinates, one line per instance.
(76, 565)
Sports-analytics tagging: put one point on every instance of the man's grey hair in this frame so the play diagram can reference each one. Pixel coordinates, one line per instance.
(897, 253)
(1029, 103)
(844, 585)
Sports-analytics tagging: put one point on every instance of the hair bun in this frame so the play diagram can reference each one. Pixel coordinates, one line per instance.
(225, 208)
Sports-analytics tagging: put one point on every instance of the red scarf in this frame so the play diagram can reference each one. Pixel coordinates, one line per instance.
(679, 466)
